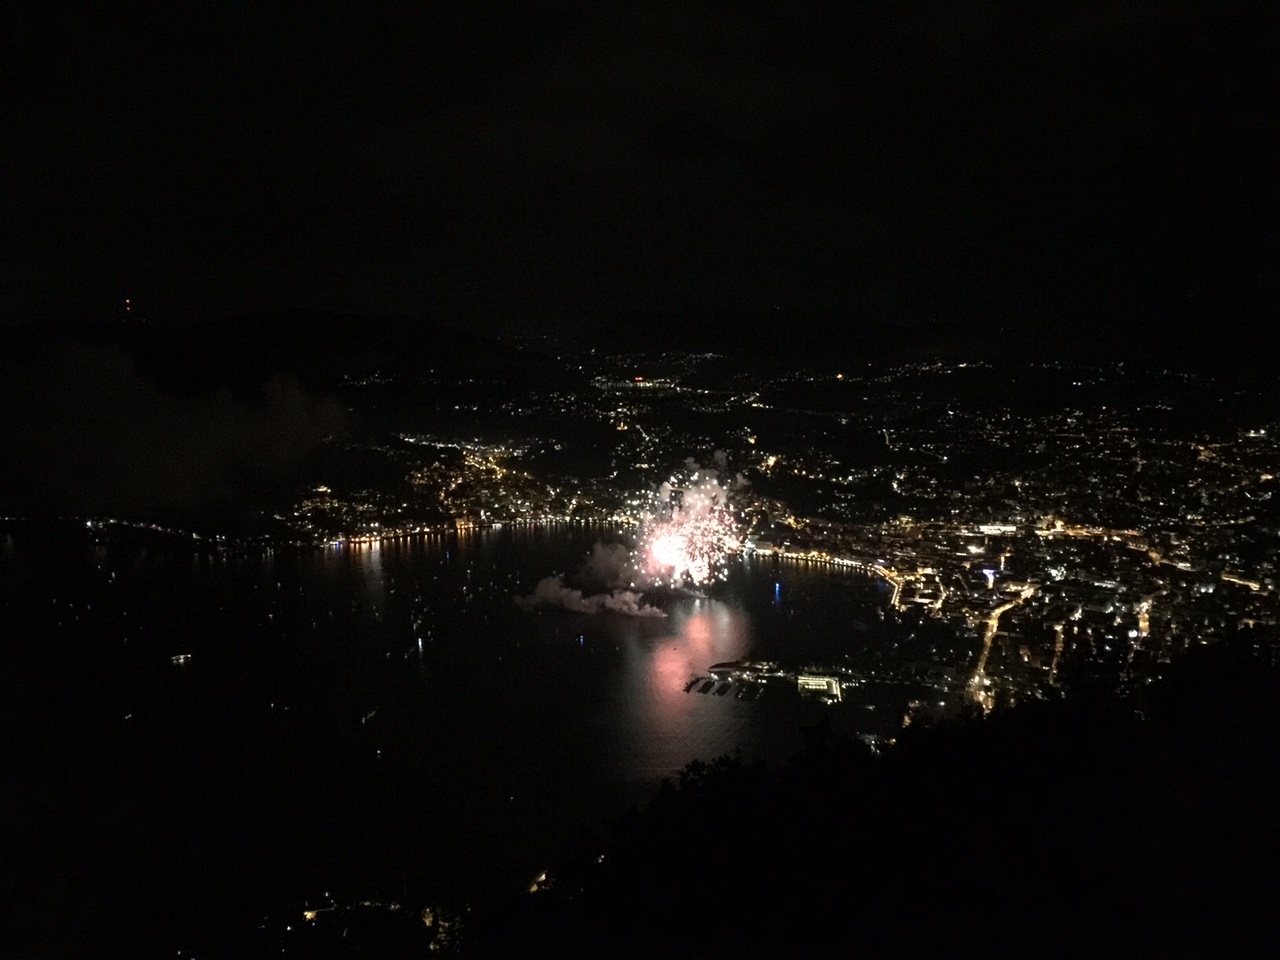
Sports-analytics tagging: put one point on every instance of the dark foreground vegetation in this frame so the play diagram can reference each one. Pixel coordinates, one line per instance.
(1143, 827)
(1105, 827)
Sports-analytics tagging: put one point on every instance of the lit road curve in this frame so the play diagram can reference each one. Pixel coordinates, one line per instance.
(979, 685)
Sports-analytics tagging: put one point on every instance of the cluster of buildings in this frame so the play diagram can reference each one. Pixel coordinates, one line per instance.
(1074, 526)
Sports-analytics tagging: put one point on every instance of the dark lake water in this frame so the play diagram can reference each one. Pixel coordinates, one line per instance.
(367, 717)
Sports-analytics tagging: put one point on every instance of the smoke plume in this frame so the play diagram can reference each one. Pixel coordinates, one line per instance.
(86, 433)
(553, 592)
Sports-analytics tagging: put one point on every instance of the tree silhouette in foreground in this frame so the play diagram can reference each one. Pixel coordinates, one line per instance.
(1146, 826)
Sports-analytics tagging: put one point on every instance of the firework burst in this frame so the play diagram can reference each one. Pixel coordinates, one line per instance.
(688, 534)
(684, 541)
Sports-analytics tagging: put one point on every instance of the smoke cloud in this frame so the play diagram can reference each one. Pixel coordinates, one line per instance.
(609, 565)
(609, 570)
(553, 592)
(86, 433)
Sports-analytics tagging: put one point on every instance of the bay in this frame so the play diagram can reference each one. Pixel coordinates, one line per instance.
(361, 718)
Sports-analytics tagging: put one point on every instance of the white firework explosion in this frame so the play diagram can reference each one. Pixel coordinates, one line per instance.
(688, 533)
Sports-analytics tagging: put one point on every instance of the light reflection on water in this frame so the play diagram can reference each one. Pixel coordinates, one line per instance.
(410, 661)
(607, 685)
(668, 726)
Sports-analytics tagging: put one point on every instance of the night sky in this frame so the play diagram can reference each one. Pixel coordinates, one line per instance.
(1097, 171)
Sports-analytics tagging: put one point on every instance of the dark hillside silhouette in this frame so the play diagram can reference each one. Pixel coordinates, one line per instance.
(1146, 827)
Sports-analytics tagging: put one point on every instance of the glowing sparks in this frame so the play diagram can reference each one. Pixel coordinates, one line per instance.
(666, 550)
(685, 540)
(688, 534)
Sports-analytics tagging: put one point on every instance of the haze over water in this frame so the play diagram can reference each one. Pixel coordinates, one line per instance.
(368, 715)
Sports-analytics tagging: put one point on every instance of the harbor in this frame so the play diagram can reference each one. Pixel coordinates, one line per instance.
(883, 707)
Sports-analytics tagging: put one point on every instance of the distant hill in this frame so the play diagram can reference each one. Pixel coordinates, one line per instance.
(315, 347)
(827, 337)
